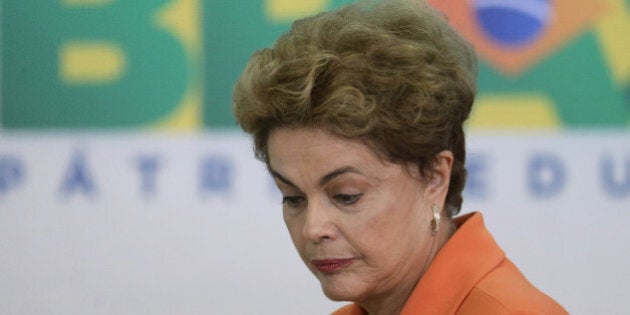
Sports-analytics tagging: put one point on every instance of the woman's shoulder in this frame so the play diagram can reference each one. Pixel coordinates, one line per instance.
(505, 290)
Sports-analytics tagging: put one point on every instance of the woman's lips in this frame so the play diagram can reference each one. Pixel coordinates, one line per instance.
(332, 265)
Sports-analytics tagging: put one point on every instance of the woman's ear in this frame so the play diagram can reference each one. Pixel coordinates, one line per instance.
(438, 183)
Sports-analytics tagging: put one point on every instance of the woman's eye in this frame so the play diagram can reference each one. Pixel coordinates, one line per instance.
(292, 201)
(347, 199)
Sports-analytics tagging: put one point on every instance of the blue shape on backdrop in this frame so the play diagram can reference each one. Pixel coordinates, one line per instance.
(615, 186)
(148, 166)
(217, 174)
(11, 173)
(477, 181)
(513, 22)
(546, 175)
(78, 178)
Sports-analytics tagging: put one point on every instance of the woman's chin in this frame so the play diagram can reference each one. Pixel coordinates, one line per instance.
(339, 290)
(338, 295)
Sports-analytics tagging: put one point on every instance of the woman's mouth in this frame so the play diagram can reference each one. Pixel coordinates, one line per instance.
(332, 265)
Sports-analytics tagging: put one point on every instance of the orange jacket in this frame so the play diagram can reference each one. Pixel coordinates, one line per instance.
(471, 275)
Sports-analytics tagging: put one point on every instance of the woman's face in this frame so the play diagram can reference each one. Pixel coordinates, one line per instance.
(361, 225)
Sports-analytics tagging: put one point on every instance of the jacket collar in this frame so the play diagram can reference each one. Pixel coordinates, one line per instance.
(466, 258)
(461, 263)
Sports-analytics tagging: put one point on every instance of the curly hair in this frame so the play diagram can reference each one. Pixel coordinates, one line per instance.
(393, 73)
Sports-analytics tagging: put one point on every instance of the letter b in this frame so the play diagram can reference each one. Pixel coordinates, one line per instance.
(80, 63)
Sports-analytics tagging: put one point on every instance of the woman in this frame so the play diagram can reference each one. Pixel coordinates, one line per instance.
(358, 115)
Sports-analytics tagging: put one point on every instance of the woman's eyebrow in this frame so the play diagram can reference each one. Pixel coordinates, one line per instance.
(340, 171)
(281, 178)
(325, 179)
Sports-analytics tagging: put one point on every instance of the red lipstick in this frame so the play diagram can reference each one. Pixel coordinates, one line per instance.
(332, 265)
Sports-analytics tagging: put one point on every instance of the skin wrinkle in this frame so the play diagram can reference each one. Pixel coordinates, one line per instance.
(386, 230)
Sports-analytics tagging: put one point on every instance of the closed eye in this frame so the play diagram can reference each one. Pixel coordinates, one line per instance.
(347, 199)
(292, 201)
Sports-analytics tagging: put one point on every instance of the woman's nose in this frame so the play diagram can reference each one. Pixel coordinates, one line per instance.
(319, 224)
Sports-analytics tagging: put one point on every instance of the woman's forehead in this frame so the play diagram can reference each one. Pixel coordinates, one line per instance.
(302, 151)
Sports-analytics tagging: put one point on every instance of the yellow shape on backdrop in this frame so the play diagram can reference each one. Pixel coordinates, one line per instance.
(183, 19)
(91, 62)
(514, 112)
(613, 33)
(188, 114)
(289, 10)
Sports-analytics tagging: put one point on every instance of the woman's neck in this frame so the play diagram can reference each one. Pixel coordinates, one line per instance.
(394, 302)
